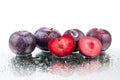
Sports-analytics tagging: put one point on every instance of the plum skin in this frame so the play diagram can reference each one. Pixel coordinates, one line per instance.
(43, 35)
(22, 42)
(76, 34)
(103, 35)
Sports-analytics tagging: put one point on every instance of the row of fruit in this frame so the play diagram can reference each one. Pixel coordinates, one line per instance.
(90, 45)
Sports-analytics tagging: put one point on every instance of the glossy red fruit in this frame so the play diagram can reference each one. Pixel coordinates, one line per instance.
(90, 47)
(22, 42)
(76, 34)
(62, 46)
(103, 35)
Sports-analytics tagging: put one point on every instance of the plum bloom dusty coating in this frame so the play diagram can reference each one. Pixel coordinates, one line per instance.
(43, 35)
(103, 35)
(22, 42)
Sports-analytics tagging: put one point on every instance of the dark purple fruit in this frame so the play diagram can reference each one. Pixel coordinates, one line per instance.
(22, 42)
(103, 35)
(76, 34)
(43, 35)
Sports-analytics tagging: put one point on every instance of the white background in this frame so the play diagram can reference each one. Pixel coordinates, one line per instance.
(59, 14)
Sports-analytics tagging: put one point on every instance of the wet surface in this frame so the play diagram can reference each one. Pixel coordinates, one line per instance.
(44, 66)
(45, 62)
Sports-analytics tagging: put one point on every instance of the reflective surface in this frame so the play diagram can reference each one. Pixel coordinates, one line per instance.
(75, 66)
(62, 15)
